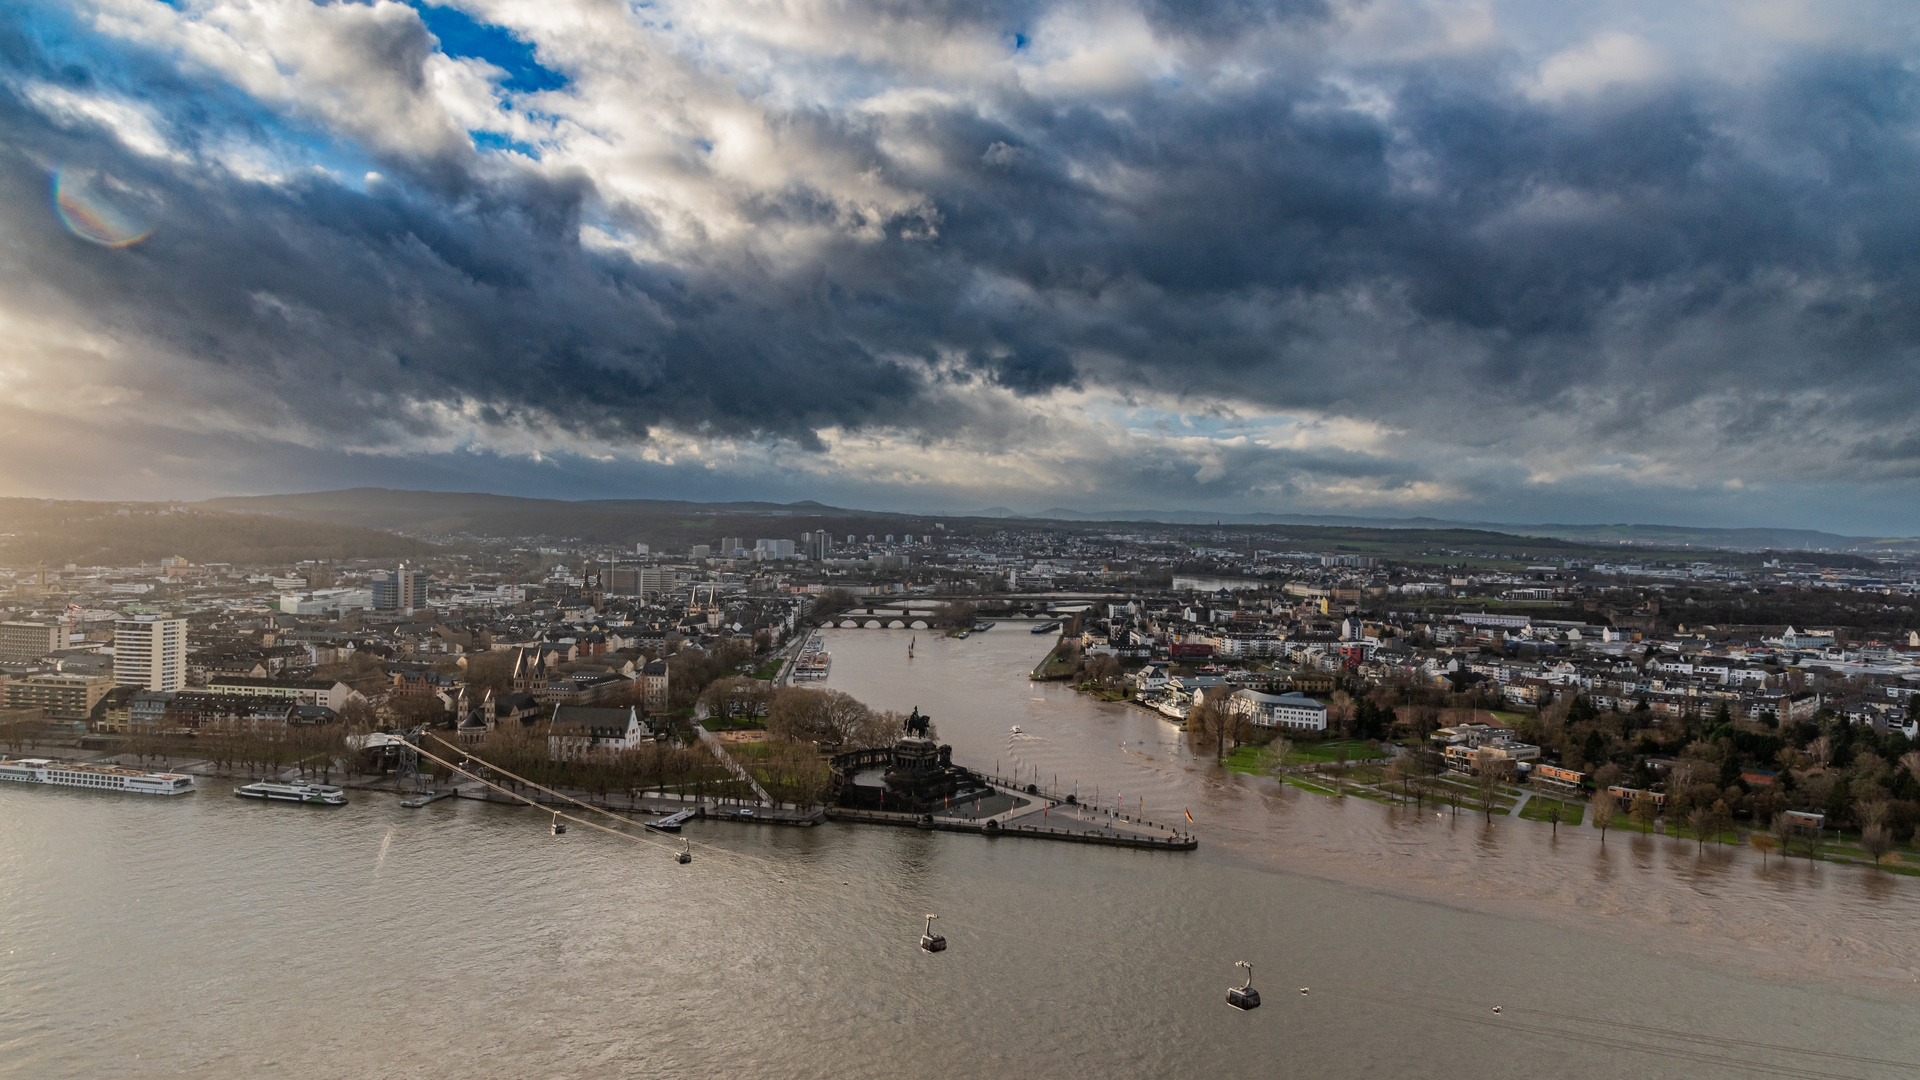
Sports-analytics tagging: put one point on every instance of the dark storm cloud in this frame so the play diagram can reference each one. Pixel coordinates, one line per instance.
(1268, 192)
(1271, 242)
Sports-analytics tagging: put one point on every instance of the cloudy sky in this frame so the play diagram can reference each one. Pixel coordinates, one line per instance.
(1654, 262)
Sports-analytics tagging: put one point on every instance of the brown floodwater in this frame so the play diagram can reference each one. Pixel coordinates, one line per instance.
(1787, 917)
(209, 936)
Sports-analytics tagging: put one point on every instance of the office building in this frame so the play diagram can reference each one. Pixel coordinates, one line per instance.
(642, 581)
(150, 652)
(25, 642)
(403, 590)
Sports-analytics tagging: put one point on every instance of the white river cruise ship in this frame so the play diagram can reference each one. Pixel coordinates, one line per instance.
(97, 777)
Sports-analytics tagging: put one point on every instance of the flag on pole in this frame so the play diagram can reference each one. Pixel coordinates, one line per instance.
(1189, 817)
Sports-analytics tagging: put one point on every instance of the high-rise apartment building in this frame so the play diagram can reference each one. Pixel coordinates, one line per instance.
(150, 652)
(25, 642)
(642, 581)
(403, 590)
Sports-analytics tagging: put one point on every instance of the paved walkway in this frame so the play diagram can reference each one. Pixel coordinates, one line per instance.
(1040, 812)
(733, 766)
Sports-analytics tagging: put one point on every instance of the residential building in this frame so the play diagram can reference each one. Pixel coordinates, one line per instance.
(576, 731)
(150, 652)
(63, 697)
(334, 695)
(653, 687)
(26, 642)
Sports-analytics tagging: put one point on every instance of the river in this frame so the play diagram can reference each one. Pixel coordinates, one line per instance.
(209, 936)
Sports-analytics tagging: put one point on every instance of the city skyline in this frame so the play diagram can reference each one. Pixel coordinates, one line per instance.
(1483, 261)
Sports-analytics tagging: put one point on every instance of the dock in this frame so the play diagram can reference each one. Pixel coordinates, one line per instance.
(681, 809)
(423, 799)
(1068, 832)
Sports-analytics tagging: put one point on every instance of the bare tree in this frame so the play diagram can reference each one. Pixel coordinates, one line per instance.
(830, 716)
(1643, 811)
(737, 697)
(1207, 722)
(1699, 819)
(1488, 771)
(1273, 757)
(1393, 774)
(1874, 835)
(1605, 805)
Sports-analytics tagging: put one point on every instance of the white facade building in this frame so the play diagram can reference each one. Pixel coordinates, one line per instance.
(150, 652)
(1294, 711)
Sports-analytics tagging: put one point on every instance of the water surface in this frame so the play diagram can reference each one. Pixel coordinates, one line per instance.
(214, 937)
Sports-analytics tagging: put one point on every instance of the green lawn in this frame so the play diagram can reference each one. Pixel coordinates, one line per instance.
(1246, 759)
(1622, 823)
(1469, 794)
(1537, 808)
(1293, 780)
(1320, 753)
(1680, 830)
(1365, 773)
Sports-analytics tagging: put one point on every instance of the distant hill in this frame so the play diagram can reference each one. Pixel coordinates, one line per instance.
(664, 523)
(1662, 536)
(672, 524)
(57, 532)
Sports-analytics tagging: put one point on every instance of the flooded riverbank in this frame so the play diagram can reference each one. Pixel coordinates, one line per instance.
(1789, 918)
(216, 937)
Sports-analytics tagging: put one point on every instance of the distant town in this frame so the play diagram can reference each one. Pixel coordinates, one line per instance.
(1712, 694)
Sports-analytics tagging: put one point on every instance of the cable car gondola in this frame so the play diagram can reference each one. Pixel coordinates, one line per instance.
(559, 827)
(1244, 997)
(686, 856)
(930, 941)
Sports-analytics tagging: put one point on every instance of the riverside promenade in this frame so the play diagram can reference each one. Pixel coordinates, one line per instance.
(1012, 812)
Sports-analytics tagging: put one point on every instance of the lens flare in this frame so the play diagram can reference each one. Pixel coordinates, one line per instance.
(91, 210)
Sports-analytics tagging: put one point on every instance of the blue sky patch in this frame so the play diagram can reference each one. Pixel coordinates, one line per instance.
(493, 140)
(461, 36)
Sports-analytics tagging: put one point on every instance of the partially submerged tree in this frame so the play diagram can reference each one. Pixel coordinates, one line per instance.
(1605, 805)
(1643, 811)
(1488, 772)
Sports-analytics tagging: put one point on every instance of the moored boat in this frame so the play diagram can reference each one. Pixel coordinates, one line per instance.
(299, 791)
(96, 777)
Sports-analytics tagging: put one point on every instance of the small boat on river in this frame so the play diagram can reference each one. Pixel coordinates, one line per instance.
(299, 791)
(669, 824)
